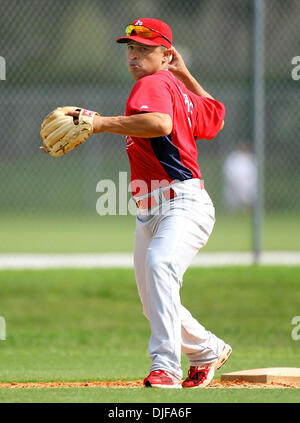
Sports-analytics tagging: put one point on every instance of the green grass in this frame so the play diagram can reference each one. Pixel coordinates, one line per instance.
(141, 395)
(67, 234)
(79, 325)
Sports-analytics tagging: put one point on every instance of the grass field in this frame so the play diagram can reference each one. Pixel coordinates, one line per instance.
(87, 325)
(61, 234)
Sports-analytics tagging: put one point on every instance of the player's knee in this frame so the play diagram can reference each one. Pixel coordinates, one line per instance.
(158, 264)
(154, 261)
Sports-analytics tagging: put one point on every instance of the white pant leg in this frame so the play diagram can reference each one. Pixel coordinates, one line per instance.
(200, 345)
(159, 267)
(162, 292)
(160, 298)
(143, 238)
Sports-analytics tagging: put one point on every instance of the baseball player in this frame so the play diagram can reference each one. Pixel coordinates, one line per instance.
(166, 112)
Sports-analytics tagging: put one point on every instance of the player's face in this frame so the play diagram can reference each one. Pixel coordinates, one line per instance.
(144, 60)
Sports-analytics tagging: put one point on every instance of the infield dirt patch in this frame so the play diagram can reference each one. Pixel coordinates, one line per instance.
(139, 384)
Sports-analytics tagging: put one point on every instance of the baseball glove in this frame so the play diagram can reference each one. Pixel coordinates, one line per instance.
(61, 133)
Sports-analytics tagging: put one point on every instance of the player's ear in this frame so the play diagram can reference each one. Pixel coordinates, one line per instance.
(168, 55)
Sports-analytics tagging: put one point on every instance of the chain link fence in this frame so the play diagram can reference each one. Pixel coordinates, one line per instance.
(64, 53)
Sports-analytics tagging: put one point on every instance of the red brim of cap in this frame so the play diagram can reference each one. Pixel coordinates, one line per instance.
(158, 41)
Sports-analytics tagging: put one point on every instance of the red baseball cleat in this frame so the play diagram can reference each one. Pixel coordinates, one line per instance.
(161, 379)
(200, 377)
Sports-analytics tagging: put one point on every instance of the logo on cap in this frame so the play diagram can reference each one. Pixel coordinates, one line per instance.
(138, 22)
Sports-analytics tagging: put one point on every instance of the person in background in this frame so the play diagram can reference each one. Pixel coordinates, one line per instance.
(240, 177)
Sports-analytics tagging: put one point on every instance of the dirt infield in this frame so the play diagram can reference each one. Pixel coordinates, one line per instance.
(139, 384)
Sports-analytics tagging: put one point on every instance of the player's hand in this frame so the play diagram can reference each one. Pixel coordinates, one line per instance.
(177, 65)
(97, 123)
(75, 115)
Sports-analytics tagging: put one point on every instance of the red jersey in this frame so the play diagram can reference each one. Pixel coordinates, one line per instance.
(172, 157)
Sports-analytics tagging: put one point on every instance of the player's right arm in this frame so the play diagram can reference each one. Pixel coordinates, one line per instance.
(179, 69)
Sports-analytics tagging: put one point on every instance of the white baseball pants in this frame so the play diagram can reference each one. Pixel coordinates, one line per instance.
(165, 244)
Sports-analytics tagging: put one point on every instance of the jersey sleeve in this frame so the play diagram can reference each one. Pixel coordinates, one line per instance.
(210, 115)
(150, 94)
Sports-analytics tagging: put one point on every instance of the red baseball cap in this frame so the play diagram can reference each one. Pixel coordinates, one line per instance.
(151, 32)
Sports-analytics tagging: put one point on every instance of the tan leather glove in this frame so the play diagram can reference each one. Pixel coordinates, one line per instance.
(61, 134)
